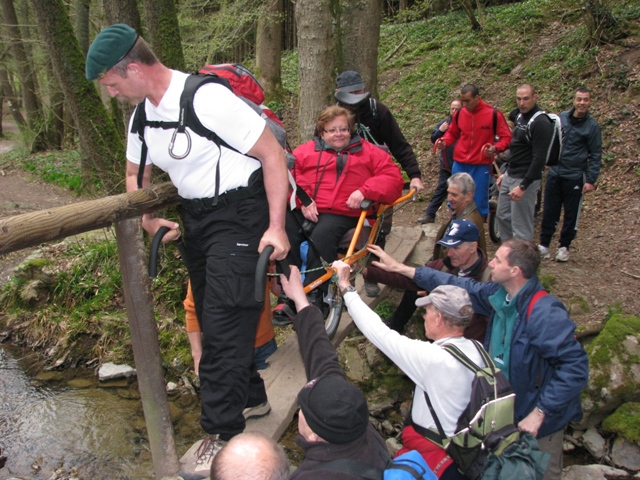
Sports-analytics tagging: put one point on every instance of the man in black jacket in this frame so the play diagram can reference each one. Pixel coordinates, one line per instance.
(519, 185)
(333, 421)
(446, 162)
(377, 124)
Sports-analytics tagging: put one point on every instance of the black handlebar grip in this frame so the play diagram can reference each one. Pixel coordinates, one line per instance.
(153, 251)
(261, 272)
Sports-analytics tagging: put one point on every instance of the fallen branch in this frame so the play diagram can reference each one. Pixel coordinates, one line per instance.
(395, 50)
(637, 277)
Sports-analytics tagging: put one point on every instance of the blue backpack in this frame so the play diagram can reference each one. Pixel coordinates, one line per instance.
(408, 466)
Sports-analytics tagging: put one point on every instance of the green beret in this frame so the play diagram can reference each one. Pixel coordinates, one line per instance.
(110, 46)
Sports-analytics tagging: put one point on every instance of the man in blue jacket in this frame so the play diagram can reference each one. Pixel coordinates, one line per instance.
(530, 337)
(576, 174)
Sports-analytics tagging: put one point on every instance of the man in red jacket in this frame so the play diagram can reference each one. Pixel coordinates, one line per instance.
(481, 132)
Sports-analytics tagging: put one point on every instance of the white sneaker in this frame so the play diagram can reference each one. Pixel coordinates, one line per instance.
(257, 411)
(562, 255)
(544, 252)
(197, 460)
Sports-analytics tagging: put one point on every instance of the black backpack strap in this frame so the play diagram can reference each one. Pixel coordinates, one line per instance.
(439, 437)
(137, 126)
(352, 467)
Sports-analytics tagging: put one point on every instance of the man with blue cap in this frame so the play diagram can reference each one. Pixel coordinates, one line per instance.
(464, 259)
(234, 198)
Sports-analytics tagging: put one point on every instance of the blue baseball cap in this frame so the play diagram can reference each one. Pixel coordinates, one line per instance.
(459, 231)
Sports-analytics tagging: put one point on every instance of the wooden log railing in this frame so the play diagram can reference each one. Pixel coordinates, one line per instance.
(31, 229)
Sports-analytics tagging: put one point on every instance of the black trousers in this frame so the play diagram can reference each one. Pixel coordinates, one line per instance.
(440, 193)
(222, 252)
(561, 193)
(326, 236)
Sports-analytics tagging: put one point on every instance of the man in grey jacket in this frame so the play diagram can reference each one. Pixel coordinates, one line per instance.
(576, 174)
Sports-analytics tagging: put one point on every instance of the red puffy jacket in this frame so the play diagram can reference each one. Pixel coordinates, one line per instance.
(473, 130)
(364, 166)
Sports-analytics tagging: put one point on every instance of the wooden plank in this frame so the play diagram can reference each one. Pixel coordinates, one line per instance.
(285, 377)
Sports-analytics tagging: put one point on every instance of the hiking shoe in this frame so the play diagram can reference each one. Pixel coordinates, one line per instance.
(544, 252)
(283, 314)
(207, 451)
(372, 289)
(257, 411)
(426, 219)
(562, 255)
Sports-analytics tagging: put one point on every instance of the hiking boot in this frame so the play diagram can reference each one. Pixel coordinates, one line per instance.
(562, 255)
(284, 312)
(207, 451)
(372, 289)
(426, 219)
(544, 252)
(257, 411)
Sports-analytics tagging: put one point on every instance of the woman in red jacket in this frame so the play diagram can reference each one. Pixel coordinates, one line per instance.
(338, 170)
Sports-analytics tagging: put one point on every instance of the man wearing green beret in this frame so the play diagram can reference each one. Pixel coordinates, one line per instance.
(233, 205)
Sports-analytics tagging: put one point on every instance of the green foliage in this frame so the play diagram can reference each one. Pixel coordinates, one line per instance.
(625, 421)
(211, 28)
(384, 309)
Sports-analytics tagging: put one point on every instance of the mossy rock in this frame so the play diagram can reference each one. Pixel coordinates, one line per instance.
(614, 368)
(625, 422)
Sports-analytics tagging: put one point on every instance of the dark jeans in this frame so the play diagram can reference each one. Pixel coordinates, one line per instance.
(326, 236)
(440, 193)
(222, 252)
(561, 193)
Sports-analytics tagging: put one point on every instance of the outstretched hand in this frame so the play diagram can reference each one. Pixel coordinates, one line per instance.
(388, 263)
(293, 288)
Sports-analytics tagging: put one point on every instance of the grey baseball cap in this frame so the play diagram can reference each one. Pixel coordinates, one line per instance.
(448, 299)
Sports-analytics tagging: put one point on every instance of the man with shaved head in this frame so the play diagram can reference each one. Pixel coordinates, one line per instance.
(532, 136)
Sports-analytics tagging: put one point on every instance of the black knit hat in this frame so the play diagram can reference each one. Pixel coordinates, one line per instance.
(334, 409)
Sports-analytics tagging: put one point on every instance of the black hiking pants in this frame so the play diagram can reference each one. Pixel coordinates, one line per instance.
(222, 252)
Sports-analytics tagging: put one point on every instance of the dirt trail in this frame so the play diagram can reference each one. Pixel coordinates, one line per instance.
(22, 193)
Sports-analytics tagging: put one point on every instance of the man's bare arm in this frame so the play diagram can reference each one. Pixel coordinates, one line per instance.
(274, 166)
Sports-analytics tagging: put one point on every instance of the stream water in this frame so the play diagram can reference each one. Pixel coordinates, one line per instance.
(55, 427)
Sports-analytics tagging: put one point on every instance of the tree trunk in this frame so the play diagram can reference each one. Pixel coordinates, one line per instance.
(404, 4)
(82, 24)
(103, 149)
(467, 6)
(122, 11)
(27, 74)
(316, 55)
(55, 122)
(360, 38)
(164, 32)
(12, 100)
(268, 48)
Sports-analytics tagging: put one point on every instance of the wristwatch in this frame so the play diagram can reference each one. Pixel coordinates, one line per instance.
(523, 187)
(350, 288)
(540, 411)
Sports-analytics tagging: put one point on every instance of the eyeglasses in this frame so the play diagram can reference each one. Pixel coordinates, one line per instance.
(333, 131)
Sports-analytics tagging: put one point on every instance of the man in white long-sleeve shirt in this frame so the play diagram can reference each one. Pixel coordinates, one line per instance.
(432, 369)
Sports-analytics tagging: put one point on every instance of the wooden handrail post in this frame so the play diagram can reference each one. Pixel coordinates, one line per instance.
(146, 348)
